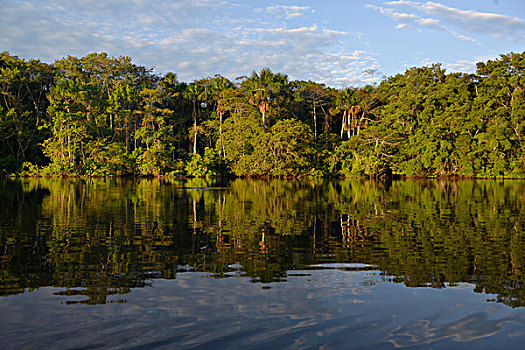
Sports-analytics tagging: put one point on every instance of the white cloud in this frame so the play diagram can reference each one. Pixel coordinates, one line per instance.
(193, 38)
(289, 11)
(461, 66)
(398, 16)
(454, 20)
(405, 19)
(462, 37)
(399, 3)
(468, 66)
(474, 21)
(428, 22)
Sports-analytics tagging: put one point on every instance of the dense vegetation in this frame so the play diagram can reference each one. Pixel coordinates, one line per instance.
(98, 116)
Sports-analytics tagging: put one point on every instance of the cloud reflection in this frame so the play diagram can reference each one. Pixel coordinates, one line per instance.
(469, 328)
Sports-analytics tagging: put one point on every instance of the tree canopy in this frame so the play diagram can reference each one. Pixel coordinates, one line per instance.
(102, 116)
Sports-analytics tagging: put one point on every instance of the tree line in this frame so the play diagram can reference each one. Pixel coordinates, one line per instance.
(102, 116)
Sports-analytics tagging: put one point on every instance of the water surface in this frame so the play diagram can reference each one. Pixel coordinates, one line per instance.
(297, 264)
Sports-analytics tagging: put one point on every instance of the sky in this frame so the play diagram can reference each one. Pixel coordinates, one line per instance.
(335, 42)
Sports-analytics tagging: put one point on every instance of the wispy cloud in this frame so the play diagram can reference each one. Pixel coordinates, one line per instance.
(468, 66)
(462, 24)
(476, 22)
(309, 53)
(461, 66)
(289, 11)
(193, 38)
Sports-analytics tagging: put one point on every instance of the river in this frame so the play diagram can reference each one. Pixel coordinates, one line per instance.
(346, 264)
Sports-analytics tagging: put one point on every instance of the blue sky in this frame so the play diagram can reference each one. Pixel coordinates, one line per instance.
(329, 41)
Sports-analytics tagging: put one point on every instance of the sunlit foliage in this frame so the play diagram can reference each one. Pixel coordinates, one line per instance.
(102, 116)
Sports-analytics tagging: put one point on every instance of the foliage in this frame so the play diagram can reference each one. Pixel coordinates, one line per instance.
(211, 165)
(101, 116)
(289, 148)
(23, 123)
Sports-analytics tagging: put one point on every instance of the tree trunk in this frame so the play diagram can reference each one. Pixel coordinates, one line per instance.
(194, 139)
(127, 134)
(69, 147)
(315, 122)
(135, 133)
(220, 135)
(344, 123)
(194, 129)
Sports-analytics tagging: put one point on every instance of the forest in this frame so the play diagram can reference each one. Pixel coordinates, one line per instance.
(106, 116)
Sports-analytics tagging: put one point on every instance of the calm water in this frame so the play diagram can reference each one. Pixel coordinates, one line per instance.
(123, 264)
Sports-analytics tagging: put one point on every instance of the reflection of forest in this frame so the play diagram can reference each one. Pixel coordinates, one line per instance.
(97, 239)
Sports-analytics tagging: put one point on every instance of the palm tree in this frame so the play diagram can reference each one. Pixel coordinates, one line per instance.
(264, 88)
(347, 102)
(219, 85)
(194, 94)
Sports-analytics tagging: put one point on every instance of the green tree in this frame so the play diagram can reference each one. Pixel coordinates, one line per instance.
(347, 102)
(289, 149)
(93, 106)
(267, 91)
(315, 97)
(155, 134)
(219, 87)
(194, 94)
(23, 104)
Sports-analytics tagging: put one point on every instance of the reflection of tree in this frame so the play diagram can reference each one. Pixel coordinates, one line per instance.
(352, 232)
(263, 247)
(21, 249)
(441, 233)
(87, 245)
(97, 239)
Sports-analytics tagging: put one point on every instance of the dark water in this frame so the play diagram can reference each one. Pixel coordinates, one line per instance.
(123, 264)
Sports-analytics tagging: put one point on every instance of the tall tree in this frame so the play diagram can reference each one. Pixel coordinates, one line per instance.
(91, 105)
(266, 90)
(23, 104)
(316, 97)
(347, 102)
(219, 86)
(154, 133)
(194, 94)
